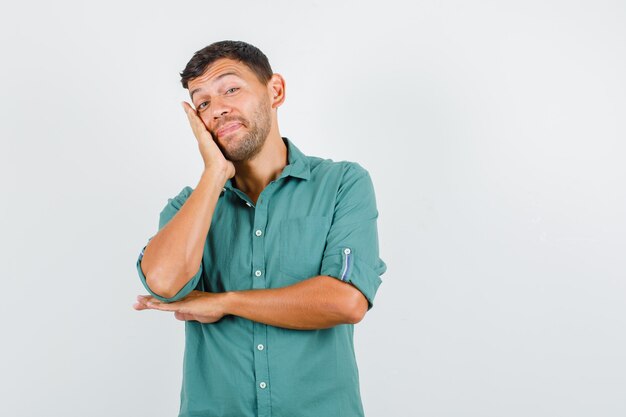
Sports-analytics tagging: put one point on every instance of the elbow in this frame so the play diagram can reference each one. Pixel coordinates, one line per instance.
(162, 284)
(164, 280)
(357, 308)
(153, 281)
(159, 287)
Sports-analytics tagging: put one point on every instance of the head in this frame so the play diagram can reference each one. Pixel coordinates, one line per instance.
(236, 94)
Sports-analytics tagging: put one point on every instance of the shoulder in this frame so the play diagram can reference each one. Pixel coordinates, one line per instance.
(173, 205)
(344, 170)
(178, 200)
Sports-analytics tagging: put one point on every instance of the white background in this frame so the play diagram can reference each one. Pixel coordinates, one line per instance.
(494, 133)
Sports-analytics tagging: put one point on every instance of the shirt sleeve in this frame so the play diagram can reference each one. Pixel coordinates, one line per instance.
(168, 212)
(351, 252)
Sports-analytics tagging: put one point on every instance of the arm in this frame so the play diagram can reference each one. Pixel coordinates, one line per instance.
(315, 303)
(174, 254)
(342, 293)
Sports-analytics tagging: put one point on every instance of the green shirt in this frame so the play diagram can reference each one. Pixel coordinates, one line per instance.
(318, 218)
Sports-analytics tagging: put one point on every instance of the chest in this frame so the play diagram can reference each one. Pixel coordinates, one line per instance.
(276, 241)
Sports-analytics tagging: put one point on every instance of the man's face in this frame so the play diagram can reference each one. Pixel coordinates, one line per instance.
(234, 106)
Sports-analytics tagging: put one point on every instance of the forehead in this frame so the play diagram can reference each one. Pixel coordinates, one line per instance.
(216, 69)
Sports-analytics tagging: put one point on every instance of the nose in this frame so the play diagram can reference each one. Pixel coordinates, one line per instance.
(219, 108)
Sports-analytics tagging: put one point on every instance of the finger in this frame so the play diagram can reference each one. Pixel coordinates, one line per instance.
(144, 299)
(141, 303)
(157, 305)
(197, 125)
(191, 113)
(139, 306)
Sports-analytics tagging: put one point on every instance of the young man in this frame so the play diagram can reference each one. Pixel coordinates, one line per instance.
(270, 260)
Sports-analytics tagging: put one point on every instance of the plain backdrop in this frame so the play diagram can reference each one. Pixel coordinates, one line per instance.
(494, 133)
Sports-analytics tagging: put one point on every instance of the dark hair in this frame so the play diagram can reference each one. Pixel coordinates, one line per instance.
(250, 55)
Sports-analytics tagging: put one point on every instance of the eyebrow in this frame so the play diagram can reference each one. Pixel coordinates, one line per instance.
(215, 80)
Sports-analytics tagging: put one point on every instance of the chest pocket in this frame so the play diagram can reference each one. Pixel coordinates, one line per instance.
(302, 243)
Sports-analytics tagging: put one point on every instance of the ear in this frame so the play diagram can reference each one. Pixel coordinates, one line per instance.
(276, 90)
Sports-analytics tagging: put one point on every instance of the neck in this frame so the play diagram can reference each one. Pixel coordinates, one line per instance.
(253, 175)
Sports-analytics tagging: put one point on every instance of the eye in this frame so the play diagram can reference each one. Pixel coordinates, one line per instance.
(232, 90)
(202, 105)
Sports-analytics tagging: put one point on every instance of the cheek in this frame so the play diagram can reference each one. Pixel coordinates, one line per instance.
(252, 110)
(205, 120)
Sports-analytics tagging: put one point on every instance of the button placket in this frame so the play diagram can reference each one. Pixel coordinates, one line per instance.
(261, 364)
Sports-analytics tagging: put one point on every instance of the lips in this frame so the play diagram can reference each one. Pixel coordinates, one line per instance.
(228, 128)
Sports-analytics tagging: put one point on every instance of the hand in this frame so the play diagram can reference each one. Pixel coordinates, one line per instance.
(211, 154)
(205, 307)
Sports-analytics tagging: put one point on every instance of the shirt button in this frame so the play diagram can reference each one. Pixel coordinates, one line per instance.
(257, 273)
(346, 251)
(248, 204)
(262, 385)
(258, 233)
(260, 347)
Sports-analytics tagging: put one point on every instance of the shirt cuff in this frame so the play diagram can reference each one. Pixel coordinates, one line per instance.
(347, 267)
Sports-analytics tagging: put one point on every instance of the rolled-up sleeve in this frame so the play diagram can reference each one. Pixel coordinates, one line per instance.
(352, 253)
(168, 212)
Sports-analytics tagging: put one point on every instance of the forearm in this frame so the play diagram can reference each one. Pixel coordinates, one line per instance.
(315, 303)
(174, 254)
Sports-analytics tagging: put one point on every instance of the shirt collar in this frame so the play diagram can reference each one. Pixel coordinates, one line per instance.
(298, 164)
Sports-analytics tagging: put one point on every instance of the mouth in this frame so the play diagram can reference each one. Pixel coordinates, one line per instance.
(228, 128)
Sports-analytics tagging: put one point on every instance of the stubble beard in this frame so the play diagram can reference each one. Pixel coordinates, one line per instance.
(252, 142)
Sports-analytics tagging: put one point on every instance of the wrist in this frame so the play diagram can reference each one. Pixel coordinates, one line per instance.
(219, 168)
(228, 301)
(214, 176)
